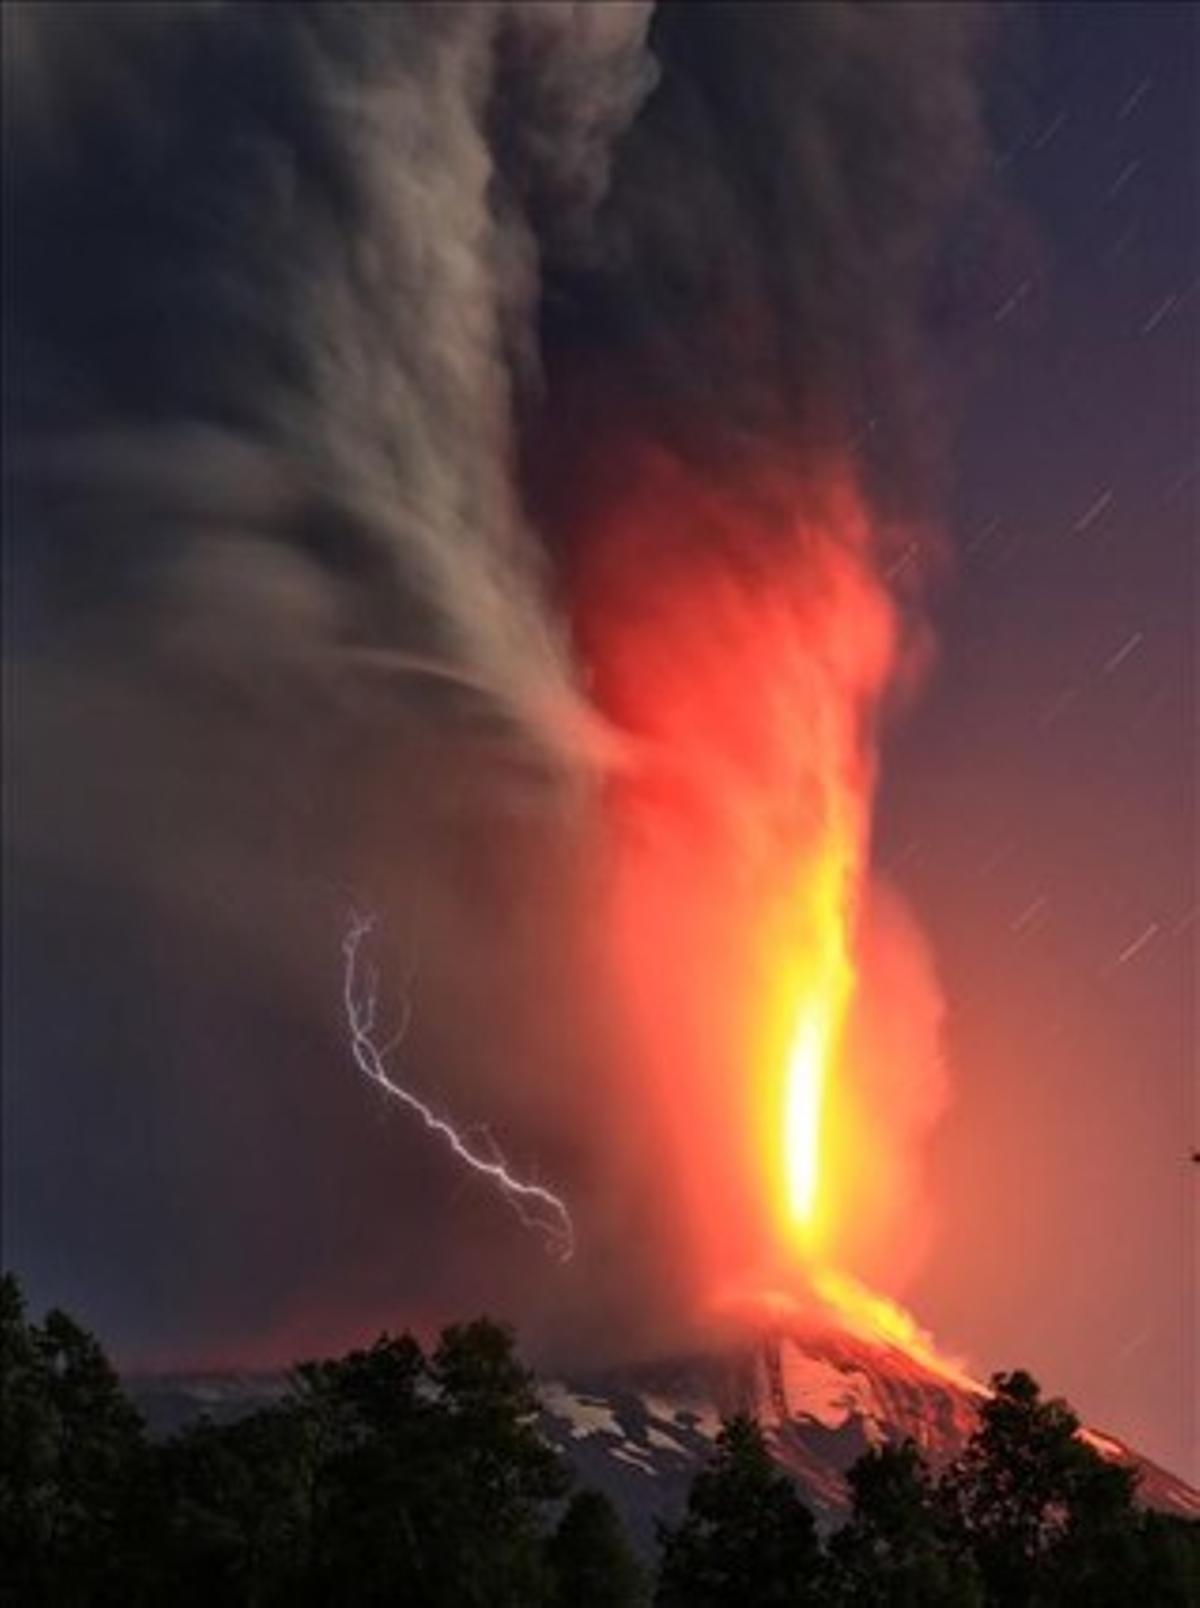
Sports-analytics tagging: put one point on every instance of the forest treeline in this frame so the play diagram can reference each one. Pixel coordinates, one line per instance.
(398, 1476)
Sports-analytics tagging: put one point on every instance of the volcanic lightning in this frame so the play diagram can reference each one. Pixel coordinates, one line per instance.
(537, 1207)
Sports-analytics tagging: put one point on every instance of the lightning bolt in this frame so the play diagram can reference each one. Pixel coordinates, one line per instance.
(537, 1207)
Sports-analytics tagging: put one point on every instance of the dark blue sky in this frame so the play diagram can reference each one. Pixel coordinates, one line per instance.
(1041, 807)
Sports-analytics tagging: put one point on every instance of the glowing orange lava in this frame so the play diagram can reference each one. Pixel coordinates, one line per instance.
(744, 639)
(823, 996)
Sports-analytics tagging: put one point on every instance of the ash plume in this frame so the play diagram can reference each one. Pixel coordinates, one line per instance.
(328, 329)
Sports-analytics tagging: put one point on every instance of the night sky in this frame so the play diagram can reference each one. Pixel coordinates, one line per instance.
(193, 794)
(1040, 806)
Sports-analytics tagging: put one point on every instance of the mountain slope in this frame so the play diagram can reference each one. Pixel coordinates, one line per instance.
(640, 1433)
(823, 1399)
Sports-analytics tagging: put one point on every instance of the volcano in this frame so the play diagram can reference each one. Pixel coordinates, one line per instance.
(641, 1432)
(823, 1398)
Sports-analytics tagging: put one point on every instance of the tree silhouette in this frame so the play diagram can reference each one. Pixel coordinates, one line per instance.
(228, 1512)
(27, 1447)
(895, 1551)
(499, 1472)
(1170, 1561)
(430, 1474)
(369, 1428)
(591, 1565)
(71, 1449)
(1043, 1513)
(387, 1476)
(746, 1536)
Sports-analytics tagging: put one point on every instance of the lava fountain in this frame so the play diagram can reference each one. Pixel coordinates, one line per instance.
(745, 641)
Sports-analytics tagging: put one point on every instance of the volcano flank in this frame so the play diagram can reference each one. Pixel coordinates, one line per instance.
(641, 1432)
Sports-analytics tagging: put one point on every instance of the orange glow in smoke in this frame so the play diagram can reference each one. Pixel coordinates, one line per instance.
(745, 642)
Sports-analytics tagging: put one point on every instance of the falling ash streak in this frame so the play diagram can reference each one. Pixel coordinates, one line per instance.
(1163, 310)
(536, 1207)
(1134, 100)
(1101, 506)
(1123, 652)
(1138, 944)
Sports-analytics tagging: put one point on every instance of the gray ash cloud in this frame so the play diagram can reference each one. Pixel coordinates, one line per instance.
(296, 297)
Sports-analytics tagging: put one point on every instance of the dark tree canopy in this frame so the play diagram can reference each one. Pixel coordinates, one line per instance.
(746, 1536)
(70, 1455)
(384, 1476)
(895, 1551)
(591, 1565)
(392, 1476)
(1046, 1518)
